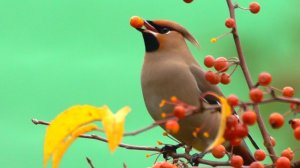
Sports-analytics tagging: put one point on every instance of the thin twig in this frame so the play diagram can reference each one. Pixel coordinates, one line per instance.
(141, 130)
(90, 162)
(96, 137)
(250, 84)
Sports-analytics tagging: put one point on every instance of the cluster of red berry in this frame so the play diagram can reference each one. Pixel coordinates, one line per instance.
(221, 65)
(164, 165)
(235, 131)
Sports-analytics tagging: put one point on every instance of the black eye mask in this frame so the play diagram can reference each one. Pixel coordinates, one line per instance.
(160, 29)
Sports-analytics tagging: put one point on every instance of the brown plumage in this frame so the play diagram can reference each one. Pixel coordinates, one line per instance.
(170, 69)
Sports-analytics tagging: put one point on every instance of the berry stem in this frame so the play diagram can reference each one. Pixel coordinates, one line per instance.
(249, 81)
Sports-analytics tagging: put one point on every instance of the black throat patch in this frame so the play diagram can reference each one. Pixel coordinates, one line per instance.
(151, 43)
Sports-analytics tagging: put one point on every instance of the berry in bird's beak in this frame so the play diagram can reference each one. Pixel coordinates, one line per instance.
(138, 23)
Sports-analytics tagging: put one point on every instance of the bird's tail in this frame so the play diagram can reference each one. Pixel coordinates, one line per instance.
(244, 152)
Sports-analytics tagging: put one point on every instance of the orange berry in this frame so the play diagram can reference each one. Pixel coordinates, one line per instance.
(297, 133)
(212, 77)
(241, 130)
(218, 151)
(233, 100)
(172, 126)
(283, 162)
(230, 23)
(221, 64)
(249, 117)
(254, 7)
(288, 91)
(295, 123)
(231, 121)
(264, 79)
(259, 155)
(188, 1)
(209, 61)
(256, 165)
(276, 120)
(236, 141)
(164, 165)
(225, 78)
(179, 111)
(136, 22)
(273, 141)
(236, 161)
(256, 95)
(288, 153)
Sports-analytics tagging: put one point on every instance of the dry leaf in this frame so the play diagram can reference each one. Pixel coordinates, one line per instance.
(225, 112)
(114, 127)
(68, 125)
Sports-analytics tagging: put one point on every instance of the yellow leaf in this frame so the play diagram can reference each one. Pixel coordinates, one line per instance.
(62, 147)
(114, 127)
(71, 123)
(225, 112)
(67, 122)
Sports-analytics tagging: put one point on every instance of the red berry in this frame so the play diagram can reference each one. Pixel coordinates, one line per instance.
(172, 126)
(230, 23)
(179, 111)
(218, 151)
(249, 117)
(297, 133)
(295, 123)
(264, 79)
(282, 162)
(273, 141)
(236, 141)
(288, 91)
(212, 77)
(225, 78)
(288, 153)
(241, 130)
(136, 22)
(256, 95)
(236, 161)
(231, 121)
(256, 165)
(164, 165)
(233, 100)
(221, 64)
(254, 7)
(259, 155)
(209, 61)
(188, 1)
(276, 120)
(229, 134)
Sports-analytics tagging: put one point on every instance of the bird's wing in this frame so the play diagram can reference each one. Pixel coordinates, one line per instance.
(203, 84)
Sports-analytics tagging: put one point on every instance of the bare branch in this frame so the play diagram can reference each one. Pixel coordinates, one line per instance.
(96, 137)
(250, 84)
(90, 162)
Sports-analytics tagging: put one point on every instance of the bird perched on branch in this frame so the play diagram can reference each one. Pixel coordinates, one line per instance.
(170, 69)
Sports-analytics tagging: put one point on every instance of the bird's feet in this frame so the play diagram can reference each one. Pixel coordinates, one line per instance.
(168, 150)
(194, 159)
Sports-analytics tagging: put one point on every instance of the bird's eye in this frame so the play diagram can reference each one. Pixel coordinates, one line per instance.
(164, 30)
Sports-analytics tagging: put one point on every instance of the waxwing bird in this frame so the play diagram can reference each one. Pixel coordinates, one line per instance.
(170, 69)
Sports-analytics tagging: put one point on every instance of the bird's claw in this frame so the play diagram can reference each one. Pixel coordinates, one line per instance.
(168, 150)
(194, 159)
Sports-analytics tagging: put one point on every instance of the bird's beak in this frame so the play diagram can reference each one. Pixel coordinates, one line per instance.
(147, 27)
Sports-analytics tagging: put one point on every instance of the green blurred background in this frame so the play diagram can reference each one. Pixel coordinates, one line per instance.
(58, 53)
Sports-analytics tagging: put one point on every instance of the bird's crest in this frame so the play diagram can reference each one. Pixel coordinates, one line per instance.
(180, 29)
